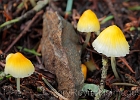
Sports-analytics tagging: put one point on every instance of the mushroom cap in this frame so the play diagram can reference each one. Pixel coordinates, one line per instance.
(88, 22)
(111, 42)
(84, 70)
(18, 66)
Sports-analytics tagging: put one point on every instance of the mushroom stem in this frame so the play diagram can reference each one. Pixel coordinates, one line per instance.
(86, 41)
(113, 65)
(103, 78)
(18, 84)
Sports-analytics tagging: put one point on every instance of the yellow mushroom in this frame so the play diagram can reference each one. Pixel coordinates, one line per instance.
(112, 43)
(84, 70)
(18, 66)
(88, 23)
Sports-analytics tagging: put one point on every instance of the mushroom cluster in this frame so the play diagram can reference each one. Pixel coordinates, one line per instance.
(18, 66)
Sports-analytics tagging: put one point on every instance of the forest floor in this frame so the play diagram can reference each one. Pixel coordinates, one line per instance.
(23, 33)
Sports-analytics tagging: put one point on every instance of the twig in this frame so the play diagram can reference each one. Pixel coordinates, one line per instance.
(44, 88)
(103, 78)
(69, 6)
(107, 19)
(2, 64)
(126, 63)
(24, 31)
(133, 51)
(124, 84)
(94, 6)
(51, 92)
(19, 8)
(116, 17)
(53, 89)
(33, 2)
(32, 51)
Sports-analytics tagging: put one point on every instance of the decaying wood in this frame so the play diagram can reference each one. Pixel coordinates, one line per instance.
(61, 54)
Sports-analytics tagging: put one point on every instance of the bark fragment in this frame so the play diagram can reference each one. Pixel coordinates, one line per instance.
(61, 54)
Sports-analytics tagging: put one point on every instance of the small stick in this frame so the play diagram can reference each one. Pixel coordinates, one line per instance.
(53, 89)
(126, 63)
(124, 84)
(69, 6)
(112, 10)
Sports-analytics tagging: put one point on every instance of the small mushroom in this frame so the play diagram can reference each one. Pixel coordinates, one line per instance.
(112, 43)
(18, 66)
(84, 70)
(88, 23)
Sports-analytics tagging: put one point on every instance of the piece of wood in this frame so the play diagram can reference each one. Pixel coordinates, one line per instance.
(61, 54)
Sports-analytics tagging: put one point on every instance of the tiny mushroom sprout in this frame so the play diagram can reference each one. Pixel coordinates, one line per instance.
(84, 70)
(112, 43)
(18, 66)
(88, 23)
